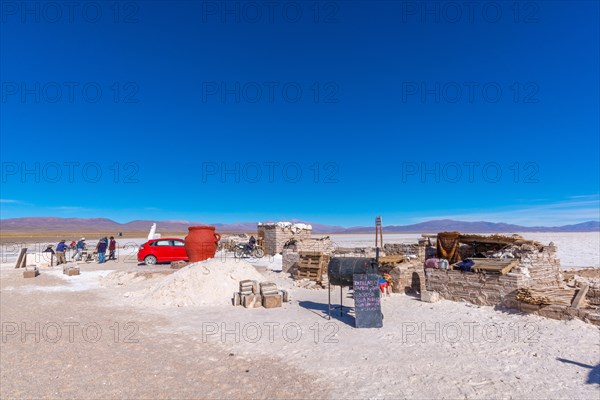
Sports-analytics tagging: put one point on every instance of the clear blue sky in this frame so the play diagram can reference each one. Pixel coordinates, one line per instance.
(385, 108)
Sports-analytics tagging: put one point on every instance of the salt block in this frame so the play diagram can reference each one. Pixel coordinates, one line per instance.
(268, 288)
(271, 301)
(252, 300)
(285, 295)
(31, 273)
(430, 297)
(246, 282)
(71, 271)
(236, 299)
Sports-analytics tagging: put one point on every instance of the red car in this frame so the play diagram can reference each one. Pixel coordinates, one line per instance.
(162, 250)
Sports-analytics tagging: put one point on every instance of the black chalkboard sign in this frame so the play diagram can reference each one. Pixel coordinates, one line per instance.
(367, 301)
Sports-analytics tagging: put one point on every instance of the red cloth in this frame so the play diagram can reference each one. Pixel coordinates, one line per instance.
(383, 287)
(112, 245)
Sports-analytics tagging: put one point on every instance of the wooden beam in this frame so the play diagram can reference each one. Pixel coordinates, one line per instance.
(578, 300)
(22, 258)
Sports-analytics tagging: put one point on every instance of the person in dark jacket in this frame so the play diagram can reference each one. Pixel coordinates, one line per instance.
(112, 247)
(101, 249)
(60, 252)
(80, 246)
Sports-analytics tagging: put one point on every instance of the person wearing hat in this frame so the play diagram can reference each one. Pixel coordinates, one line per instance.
(80, 246)
(60, 252)
(101, 249)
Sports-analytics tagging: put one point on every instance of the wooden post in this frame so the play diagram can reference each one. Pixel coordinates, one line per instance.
(22, 260)
(580, 296)
(378, 232)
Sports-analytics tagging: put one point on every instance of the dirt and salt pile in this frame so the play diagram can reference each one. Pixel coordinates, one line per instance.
(210, 282)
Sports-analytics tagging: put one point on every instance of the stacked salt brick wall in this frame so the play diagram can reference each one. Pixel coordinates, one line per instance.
(481, 289)
(593, 294)
(392, 249)
(289, 260)
(405, 278)
(543, 266)
(275, 237)
(421, 250)
(323, 245)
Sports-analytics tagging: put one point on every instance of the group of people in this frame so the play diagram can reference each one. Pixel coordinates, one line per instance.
(104, 244)
(78, 247)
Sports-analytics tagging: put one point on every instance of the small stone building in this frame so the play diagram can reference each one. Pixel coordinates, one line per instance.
(536, 266)
(273, 236)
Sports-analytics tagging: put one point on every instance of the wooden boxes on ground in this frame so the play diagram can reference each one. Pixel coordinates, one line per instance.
(312, 265)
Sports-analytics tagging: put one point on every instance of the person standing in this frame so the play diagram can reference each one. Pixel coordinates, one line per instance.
(60, 252)
(80, 246)
(101, 249)
(112, 247)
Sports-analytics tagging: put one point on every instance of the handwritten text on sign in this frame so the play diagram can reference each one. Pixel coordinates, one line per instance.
(367, 304)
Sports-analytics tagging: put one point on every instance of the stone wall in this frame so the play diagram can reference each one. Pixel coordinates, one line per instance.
(275, 236)
(482, 289)
(593, 295)
(392, 249)
(409, 279)
(289, 259)
(321, 245)
(590, 316)
(543, 267)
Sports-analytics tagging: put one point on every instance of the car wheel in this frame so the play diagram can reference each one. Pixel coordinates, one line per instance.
(150, 260)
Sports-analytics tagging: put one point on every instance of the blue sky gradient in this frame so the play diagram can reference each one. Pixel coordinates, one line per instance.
(489, 113)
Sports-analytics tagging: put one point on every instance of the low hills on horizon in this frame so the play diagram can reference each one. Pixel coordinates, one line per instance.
(50, 224)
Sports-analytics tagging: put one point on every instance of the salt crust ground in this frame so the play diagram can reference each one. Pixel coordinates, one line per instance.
(441, 350)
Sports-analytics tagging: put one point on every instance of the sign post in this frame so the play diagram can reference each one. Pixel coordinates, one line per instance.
(378, 232)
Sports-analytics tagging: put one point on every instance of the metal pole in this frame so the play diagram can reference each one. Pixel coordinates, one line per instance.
(341, 301)
(329, 307)
(377, 260)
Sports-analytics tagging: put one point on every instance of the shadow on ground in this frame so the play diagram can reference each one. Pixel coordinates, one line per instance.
(593, 376)
(322, 309)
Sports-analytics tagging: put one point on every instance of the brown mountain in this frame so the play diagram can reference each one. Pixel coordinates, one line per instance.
(49, 224)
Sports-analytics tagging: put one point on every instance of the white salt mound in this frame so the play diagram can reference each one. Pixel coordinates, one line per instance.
(210, 282)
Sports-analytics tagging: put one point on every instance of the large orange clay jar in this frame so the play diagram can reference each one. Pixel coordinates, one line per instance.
(201, 243)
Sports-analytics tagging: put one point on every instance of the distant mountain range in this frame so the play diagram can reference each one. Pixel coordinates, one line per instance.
(49, 224)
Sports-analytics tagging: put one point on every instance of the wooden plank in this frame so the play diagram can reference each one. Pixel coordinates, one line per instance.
(391, 259)
(578, 300)
(22, 259)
